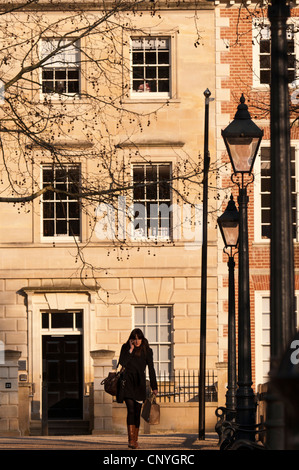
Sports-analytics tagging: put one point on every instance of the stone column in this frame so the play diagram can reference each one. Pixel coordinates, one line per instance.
(222, 382)
(102, 361)
(9, 400)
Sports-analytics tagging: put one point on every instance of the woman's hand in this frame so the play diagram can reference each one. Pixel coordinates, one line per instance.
(155, 392)
(131, 345)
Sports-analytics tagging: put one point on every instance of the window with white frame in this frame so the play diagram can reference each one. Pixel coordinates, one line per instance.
(156, 323)
(61, 70)
(68, 320)
(262, 333)
(262, 54)
(265, 192)
(152, 200)
(151, 67)
(61, 208)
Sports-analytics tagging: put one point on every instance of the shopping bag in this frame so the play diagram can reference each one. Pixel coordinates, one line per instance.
(151, 410)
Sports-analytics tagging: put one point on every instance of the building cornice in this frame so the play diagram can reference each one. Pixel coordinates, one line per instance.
(76, 5)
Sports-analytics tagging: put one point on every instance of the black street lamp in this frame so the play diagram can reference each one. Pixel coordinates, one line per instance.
(228, 224)
(242, 139)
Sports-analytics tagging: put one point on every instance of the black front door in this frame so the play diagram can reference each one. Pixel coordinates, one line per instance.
(62, 372)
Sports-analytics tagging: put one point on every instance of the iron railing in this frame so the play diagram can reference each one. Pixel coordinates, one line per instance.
(183, 386)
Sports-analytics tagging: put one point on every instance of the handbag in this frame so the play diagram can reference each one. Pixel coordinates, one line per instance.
(111, 382)
(151, 410)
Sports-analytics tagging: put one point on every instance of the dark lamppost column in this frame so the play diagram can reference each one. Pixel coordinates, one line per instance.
(228, 224)
(282, 257)
(242, 139)
(203, 310)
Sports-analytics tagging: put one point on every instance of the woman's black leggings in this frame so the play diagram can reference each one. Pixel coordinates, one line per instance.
(133, 412)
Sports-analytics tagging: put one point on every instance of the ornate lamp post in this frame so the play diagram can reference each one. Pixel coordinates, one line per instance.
(228, 224)
(242, 139)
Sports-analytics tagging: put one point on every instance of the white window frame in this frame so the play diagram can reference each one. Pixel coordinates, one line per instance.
(260, 329)
(148, 95)
(257, 193)
(137, 234)
(256, 53)
(68, 58)
(144, 326)
(74, 330)
(63, 237)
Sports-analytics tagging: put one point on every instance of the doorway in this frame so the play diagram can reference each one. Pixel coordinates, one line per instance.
(63, 375)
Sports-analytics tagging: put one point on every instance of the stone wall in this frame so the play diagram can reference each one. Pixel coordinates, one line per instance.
(9, 399)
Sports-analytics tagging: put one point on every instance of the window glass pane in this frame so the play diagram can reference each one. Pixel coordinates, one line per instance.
(48, 210)
(73, 210)
(164, 314)
(266, 304)
(266, 336)
(48, 228)
(164, 369)
(45, 320)
(266, 216)
(164, 353)
(74, 228)
(139, 316)
(266, 368)
(61, 227)
(266, 185)
(265, 76)
(137, 43)
(266, 231)
(64, 56)
(152, 332)
(61, 210)
(79, 320)
(154, 348)
(152, 315)
(266, 352)
(150, 57)
(62, 320)
(266, 320)
(265, 46)
(265, 61)
(164, 333)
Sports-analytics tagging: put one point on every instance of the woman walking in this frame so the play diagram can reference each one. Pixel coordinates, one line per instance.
(135, 355)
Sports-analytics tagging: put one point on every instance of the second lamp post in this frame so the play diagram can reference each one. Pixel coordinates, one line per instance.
(242, 139)
(228, 224)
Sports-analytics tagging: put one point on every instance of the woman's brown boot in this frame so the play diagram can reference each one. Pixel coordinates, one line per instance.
(136, 437)
(131, 436)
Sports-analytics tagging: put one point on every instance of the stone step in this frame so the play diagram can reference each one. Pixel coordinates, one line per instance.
(68, 427)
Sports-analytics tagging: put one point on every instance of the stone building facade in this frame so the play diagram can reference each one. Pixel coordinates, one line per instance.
(54, 318)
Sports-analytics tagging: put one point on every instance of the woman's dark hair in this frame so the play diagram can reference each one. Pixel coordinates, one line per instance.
(137, 333)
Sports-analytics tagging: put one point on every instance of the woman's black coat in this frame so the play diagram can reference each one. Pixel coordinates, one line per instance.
(135, 365)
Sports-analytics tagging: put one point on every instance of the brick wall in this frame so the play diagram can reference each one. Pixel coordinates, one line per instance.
(234, 77)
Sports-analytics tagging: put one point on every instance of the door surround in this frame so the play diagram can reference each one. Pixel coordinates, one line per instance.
(41, 299)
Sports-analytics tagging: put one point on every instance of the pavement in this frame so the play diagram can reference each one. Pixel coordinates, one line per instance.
(107, 450)
(113, 442)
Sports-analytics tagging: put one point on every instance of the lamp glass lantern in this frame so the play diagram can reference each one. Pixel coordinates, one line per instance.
(228, 224)
(242, 138)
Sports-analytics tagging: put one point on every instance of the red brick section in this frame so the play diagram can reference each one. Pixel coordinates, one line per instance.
(238, 37)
